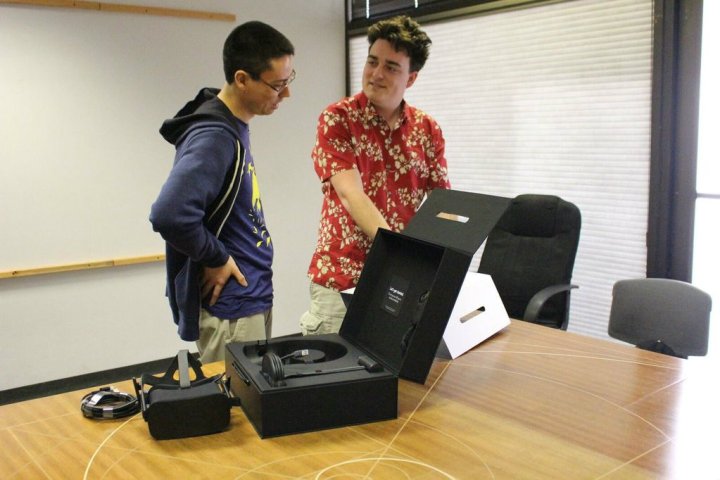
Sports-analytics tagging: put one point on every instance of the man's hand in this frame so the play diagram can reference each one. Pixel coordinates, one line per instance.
(214, 279)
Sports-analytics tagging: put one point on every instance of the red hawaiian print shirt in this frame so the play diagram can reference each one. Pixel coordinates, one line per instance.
(398, 168)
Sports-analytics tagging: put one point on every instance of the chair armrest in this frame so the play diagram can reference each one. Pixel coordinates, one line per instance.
(532, 311)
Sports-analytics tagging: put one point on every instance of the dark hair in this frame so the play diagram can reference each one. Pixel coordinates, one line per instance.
(251, 46)
(404, 34)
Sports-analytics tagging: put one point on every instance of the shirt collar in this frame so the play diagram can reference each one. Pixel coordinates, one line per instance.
(371, 113)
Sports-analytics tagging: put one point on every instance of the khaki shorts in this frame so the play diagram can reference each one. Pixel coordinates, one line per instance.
(326, 312)
(216, 332)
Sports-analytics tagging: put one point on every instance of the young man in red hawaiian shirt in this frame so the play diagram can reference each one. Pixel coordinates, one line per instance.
(377, 158)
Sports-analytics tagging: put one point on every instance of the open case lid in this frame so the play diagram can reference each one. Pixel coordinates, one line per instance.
(403, 301)
(461, 220)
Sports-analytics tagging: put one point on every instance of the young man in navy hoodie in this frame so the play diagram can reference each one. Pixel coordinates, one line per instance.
(218, 249)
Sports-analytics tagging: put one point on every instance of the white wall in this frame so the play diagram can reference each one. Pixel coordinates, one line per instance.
(61, 325)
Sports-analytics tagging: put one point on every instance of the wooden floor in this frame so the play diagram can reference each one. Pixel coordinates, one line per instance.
(530, 403)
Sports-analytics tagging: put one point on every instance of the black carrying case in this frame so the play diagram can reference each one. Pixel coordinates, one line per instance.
(396, 317)
(313, 402)
(184, 408)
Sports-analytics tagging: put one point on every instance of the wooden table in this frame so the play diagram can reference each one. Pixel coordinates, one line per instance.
(530, 403)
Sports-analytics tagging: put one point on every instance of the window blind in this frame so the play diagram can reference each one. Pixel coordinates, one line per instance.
(552, 99)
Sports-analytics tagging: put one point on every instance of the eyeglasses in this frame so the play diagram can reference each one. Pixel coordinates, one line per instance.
(282, 86)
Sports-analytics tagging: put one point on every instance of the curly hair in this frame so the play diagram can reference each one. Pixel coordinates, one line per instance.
(404, 34)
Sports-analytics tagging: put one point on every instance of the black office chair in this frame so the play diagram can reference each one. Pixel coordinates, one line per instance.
(530, 255)
(662, 315)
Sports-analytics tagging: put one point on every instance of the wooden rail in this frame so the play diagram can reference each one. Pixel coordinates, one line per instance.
(118, 262)
(126, 8)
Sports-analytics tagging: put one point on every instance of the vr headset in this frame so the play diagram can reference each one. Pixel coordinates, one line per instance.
(184, 408)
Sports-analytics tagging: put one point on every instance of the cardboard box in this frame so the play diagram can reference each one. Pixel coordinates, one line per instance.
(478, 314)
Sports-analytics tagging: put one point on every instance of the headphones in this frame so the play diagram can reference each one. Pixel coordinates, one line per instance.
(108, 403)
(273, 369)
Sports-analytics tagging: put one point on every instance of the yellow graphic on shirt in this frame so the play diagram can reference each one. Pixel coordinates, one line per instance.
(256, 211)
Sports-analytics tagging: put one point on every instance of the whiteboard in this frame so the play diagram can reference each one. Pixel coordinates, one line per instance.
(82, 97)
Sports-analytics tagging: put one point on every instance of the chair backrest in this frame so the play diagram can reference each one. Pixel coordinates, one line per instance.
(533, 246)
(669, 316)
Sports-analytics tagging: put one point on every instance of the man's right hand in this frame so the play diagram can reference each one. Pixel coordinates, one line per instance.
(214, 279)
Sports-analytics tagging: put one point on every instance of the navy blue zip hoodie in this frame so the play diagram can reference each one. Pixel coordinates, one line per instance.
(209, 208)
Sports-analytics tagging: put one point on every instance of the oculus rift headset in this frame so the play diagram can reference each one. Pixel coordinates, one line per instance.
(184, 408)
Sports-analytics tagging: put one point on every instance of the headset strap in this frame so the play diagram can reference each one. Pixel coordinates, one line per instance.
(181, 364)
(182, 358)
